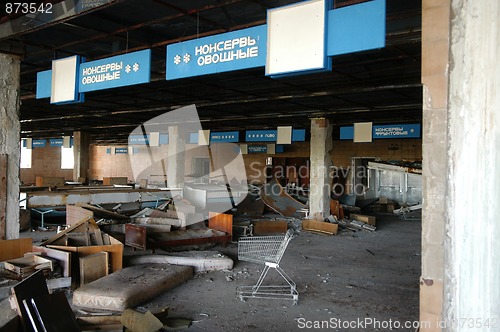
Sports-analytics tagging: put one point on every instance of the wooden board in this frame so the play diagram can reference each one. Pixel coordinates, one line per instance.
(74, 214)
(221, 222)
(102, 212)
(3, 195)
(370, 220)
(30, 287)
(63, 257)
(93, 267)
(319, 226)
(28, 264)
(268, 227)
(10, 249)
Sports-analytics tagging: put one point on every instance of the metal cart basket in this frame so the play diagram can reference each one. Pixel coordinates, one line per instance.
(266, 250)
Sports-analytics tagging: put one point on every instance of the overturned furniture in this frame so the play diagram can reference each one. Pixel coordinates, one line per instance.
(220, 230)
(267, 250)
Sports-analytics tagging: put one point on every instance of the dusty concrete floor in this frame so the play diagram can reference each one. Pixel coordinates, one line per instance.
(366, 277)
(355, 281)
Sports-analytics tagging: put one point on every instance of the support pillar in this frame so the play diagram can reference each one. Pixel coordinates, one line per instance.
(472, 246)
(10, 149)
(321, 161)
(81, 152)
(435, 45)
(176, 158)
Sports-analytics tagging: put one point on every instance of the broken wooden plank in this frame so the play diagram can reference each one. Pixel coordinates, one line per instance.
(319, 226)
(93, 267)
(16, 248)
(268, 227)
(370, 220)
(103, 213)
(221, 222)
(100, 323)
(96, 238)
(28, 264)
(63, 257)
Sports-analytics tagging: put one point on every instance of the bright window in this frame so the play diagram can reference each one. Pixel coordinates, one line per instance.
(25, 156)
(67, 159)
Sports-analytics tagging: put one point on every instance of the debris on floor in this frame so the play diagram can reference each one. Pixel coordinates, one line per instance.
(201, 261)
(130, 286)
(320, 226)
(279, 201)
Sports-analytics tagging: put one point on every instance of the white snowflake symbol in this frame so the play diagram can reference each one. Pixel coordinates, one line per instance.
(187, 58)
(136, 67)
(127, 69)
(177, 59)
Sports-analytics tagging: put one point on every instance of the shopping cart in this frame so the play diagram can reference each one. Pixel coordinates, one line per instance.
(266, 250)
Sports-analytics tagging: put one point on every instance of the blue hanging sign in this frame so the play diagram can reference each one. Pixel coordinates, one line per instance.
(121, 70)
(224, 137)
(261, 135)
(56, 142)
(163, 139)
(386, 131)
(298, 135)
(356, 28)
(397, 131)
(38, 143)
(138, 140)
(230, 51)
(193, 138)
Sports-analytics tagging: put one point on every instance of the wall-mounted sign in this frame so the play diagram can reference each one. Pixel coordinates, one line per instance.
(386, 131)
(230, 51)
(224, 137)
(121, 150)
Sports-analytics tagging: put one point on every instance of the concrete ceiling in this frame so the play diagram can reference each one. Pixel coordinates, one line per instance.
(381, 85)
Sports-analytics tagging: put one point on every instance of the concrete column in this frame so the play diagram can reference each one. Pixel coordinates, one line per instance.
(10, 149)
(81, 152)
(435, 45)
(176, 157)
(472, 246)
(321, 178)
